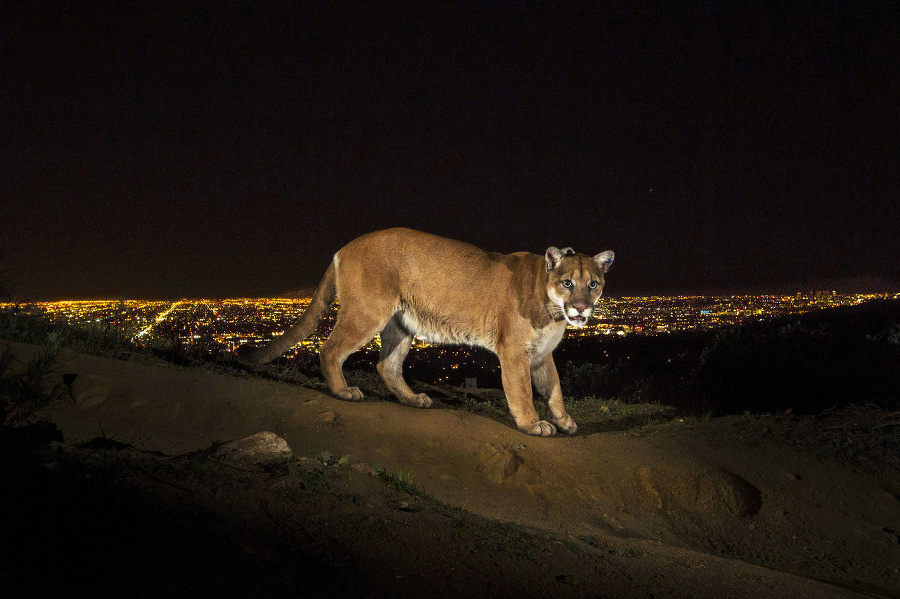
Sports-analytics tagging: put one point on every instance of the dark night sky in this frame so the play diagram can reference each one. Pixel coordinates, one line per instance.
(225, 150)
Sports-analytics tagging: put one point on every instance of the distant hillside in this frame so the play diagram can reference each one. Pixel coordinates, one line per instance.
(302, 293)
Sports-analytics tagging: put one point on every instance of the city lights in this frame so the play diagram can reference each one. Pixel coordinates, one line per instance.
(228, 323)
(217, 327)
(222, 325)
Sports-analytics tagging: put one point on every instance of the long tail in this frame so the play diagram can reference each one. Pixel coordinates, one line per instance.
(321, 301)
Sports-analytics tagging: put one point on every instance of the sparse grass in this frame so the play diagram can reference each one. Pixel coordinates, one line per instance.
(316, 475)
(507, 542)
(292, 374)
(488, 407)
(613, 414)
(329, 459)
(401, 481)
(867, 436)
(697, 418)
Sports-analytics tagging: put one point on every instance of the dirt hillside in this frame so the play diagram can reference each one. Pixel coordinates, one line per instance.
(691, 508)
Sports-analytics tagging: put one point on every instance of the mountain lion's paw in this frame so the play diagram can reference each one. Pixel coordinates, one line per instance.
(417, 401)
(542, 428)
(565, 424)
(350, 394)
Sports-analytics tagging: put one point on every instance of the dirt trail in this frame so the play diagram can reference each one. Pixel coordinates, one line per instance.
(710, 499)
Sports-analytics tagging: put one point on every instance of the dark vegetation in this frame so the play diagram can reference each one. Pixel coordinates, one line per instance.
(808, 363)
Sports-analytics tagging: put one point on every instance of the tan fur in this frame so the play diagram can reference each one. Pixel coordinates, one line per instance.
(401, 283)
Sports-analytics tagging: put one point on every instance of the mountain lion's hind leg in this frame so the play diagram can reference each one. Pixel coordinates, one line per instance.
(353, 329)
(395, 343)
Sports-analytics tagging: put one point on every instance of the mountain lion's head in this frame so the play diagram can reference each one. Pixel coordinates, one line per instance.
(575, 283)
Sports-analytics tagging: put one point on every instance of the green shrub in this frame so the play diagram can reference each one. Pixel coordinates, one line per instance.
(97, 338)
(29, 387)
(618, 380)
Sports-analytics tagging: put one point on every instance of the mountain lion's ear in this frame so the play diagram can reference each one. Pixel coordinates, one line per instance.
(604, 260)
(568, 252)
(553, 255)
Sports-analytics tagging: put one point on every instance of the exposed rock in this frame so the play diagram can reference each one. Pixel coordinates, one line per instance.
(363, 468)
(260, 448)
(645, 476)
(498, 463)
(88, 390)
(707, 490)
(327, 417)
(507, 467)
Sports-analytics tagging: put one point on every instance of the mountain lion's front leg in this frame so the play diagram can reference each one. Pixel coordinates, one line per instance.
(516, 374)
(546, 381)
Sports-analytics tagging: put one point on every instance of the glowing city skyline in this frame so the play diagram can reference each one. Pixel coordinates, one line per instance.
(224, 324)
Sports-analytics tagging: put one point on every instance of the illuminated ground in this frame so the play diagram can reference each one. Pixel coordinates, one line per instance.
(690, 508)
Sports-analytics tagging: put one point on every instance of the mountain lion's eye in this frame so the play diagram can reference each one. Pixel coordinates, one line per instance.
(592, 285)
(567, 283)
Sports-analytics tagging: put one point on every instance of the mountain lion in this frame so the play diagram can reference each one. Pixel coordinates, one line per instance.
(401, 283)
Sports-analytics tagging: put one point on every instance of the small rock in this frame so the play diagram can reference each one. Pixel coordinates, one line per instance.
(791, 476)
(326, 417)
(88, 390)
(257, 449)
(363, 469)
